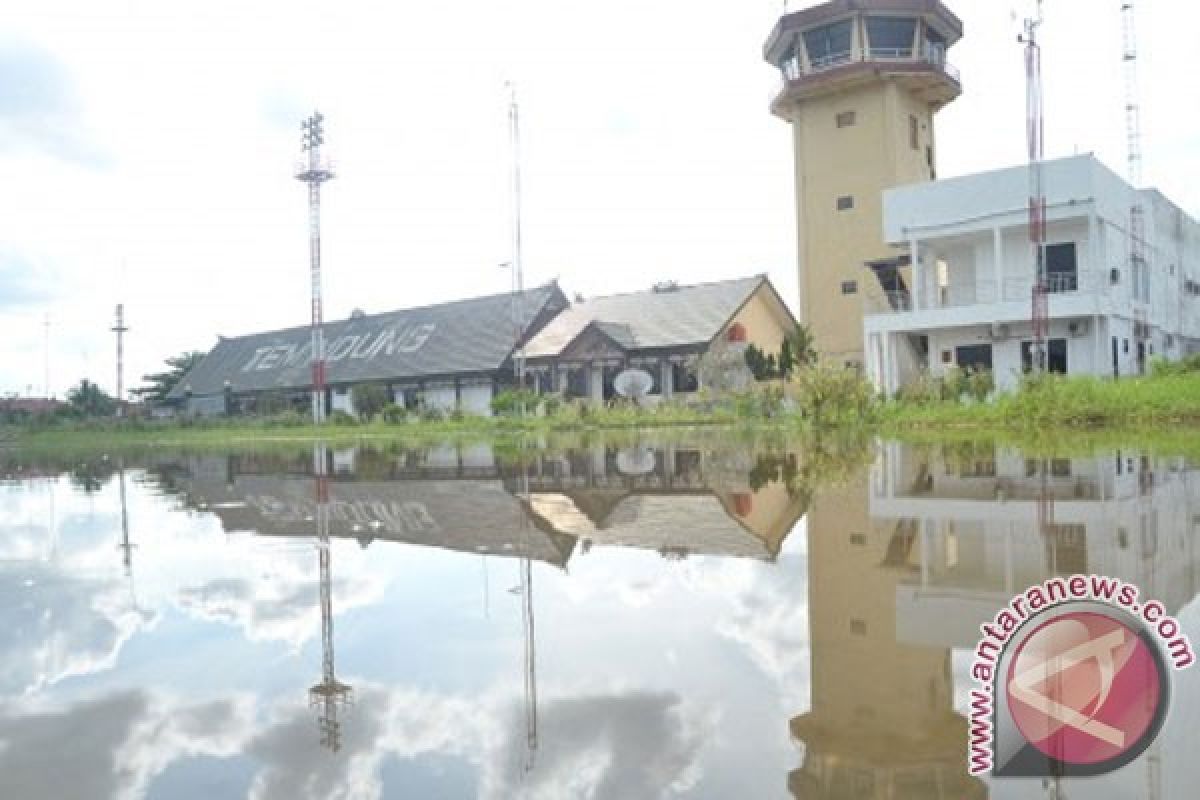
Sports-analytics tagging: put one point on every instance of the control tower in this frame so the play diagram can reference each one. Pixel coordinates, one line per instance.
(862, 80)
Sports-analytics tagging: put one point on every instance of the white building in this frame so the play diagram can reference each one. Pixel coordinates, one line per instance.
(966, 298)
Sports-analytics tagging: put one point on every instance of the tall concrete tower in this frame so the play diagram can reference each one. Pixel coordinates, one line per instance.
(862, 80)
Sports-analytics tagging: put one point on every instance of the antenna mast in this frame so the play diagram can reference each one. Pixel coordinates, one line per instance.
(514, 133)
(119, 329)
(1035, 134)
(314, 172)
(1133, 142)
(330, 695)
(46, 355)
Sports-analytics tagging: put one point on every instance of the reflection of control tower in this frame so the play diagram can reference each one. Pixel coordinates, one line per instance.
(882, 722)
(330, 694)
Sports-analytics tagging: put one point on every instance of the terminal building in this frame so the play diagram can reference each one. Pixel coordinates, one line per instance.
(457, 356)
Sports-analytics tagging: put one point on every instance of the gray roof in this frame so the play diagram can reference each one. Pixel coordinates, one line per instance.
(678, 317)
(462, 337)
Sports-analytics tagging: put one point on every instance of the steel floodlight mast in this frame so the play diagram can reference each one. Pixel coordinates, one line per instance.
(315, 171)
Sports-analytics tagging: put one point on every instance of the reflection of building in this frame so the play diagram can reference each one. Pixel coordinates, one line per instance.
(990, 524)
(667, 499)
(676, 501)
(882, 722)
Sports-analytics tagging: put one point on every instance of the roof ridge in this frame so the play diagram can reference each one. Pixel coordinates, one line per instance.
(426, 307)
(680, 287)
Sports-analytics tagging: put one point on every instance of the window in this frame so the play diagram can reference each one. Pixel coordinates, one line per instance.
(891, 37)
(845, 202)
(858, 539)
(974, 356)
(914, 133)
(829, 44)
(1056, 356)
(849, 287)
(1062, 271)
(683, 379)
(858, 627)
(845, 119)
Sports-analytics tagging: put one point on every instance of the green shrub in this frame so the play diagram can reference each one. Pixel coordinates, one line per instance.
(432, 414)
(370, 399)
(510, 401)
(287, 419)
(980, 384)
(342, 419)
(826, 394)
(394, 414)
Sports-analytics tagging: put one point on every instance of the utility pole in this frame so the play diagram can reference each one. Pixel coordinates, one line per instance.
(120, 329)
(1035, 132)
(315, 171)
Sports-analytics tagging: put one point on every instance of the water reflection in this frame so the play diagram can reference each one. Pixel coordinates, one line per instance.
(691, 638)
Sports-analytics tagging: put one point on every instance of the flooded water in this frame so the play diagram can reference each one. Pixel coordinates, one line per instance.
(708, 619)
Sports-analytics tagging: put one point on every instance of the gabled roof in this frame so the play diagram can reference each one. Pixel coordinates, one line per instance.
(461, 337)
(671, 318)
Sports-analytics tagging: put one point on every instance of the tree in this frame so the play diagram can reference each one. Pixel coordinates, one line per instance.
(160, 384)
(89, 400)
(370, 399)
(802, 347)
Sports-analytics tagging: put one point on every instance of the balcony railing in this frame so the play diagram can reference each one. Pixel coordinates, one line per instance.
(960, 295)
(794, 68)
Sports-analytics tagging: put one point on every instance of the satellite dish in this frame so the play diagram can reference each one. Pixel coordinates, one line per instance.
(636, 461)
(633, 383)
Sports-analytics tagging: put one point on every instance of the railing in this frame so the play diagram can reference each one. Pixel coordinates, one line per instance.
(794, 68)
(960, 295)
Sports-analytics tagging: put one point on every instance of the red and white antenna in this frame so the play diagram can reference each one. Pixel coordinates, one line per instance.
(314, 172)
(1035, 134)
(1133, 144)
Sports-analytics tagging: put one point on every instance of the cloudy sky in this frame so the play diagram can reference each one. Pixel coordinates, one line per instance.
(146, 150)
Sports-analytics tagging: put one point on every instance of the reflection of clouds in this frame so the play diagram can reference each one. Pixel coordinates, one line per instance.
(638, 744)
(768, 617)
(277, 597)
(615, 745)
(57, 625)
(112, 746)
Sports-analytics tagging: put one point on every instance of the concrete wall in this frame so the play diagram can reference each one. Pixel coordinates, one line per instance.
(859, 161)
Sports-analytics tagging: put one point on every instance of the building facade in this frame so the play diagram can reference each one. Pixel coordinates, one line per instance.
(969, 304)
(452, 356)
(662, 332)
(862, 81)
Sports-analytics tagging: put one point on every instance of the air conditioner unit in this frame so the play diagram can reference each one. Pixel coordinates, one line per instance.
(1077, 327)
(999, 332)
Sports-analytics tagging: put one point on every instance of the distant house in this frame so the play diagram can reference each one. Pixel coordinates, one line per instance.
(450, 356)
(13, 407)
(661, 331)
